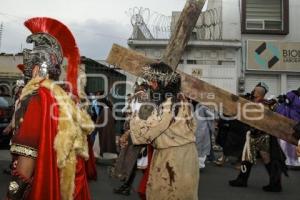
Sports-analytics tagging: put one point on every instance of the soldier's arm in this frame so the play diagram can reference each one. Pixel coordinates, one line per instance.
(25, 148)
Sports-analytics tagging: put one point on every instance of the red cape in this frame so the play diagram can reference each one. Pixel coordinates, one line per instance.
(46, 181)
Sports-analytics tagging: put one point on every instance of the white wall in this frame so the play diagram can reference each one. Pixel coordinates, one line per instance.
(294, 35)
(223, 75)
(231, 20)
(214, 4)
(228, 11)
(8, 65)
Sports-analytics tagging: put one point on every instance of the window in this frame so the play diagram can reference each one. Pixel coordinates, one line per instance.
(265, 17)
(207, 62)
(191, 62)
(193, 36)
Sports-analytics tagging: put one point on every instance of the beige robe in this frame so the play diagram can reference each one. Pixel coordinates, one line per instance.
(174, 170)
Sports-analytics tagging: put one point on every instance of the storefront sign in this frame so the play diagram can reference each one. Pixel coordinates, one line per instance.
(273, 56)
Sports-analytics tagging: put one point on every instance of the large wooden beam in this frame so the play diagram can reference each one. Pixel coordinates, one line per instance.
(182, 32)
(200, 91)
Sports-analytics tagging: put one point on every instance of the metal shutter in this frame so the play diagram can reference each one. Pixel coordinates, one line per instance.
(293, 83)
(264, 14)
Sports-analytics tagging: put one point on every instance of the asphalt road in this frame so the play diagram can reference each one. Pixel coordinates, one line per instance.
(213, 184)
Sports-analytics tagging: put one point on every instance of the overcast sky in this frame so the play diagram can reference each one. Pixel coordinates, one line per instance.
(96, 24)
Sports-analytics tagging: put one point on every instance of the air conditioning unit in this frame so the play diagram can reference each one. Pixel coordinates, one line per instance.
(262, 24)
(254, 24)
(273, 25)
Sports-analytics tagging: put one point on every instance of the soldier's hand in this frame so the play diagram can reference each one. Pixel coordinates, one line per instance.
(7, 130)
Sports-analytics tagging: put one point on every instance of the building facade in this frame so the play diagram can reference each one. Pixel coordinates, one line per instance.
(237, 44)
(271, 44)
(213, 53)
(9, 73)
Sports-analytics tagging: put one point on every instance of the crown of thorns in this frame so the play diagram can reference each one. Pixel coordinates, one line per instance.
(151, 74)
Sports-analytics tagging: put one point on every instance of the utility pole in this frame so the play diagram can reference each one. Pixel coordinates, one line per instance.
(1, 32)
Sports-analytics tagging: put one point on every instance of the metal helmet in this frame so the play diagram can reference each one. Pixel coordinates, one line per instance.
(46, 54)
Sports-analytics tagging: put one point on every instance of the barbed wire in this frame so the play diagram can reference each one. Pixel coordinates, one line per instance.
(208, 27)
(158, 24)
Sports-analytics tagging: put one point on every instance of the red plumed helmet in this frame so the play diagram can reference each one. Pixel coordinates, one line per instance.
(66, 40)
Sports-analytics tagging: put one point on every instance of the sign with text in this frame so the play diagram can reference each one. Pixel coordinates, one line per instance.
(197, 73)
(273, 56)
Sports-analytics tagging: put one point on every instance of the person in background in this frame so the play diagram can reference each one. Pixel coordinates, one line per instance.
(95, 107)
(268, 148)
(204, 131)
(296, 135)
(231, 137)
(10, 129)
(94, 110)
(289, 106)
(106, 127)
(126, 165)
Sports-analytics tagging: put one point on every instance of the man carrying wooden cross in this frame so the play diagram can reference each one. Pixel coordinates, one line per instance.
(174, 170)
(227, 103)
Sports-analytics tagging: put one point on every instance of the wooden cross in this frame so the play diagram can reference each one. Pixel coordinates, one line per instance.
(198, 90)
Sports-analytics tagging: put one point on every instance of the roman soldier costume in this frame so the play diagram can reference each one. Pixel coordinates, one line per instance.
(50, 128)
(270, 151)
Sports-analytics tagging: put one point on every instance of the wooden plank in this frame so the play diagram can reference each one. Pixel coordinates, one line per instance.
(182, 32)
(200, 91)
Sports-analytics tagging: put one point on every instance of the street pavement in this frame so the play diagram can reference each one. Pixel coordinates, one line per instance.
(213, 184)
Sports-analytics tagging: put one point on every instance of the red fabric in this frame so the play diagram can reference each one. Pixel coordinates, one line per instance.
(46, 176)
(66, 40)
(46, 181)
(90, 165)
(29, 133)
(81, 185)
(143, 183)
